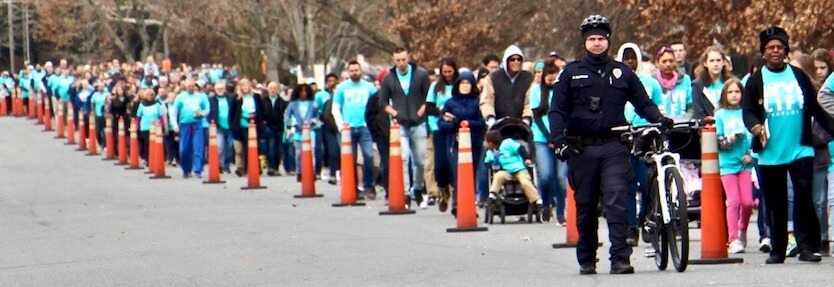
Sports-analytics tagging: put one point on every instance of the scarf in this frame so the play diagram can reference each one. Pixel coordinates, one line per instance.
(667, 84)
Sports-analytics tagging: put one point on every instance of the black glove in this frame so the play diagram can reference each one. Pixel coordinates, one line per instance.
(564, 152)
(666, 123)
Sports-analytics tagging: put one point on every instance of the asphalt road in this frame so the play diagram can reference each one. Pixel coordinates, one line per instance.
(73, 220)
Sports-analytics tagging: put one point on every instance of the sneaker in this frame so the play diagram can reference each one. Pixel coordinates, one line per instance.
(174, 163)
(332, 181)
(480, 203)
(588, 268)
(633, 237)
(270, 172)
(547, 214)
(793, 248)
(809, 256)
(764, 245)
(621, 267)
(432, 200)
(742, 236)
(424, 204)
(408, 199)
(560, 220)
(646, 233)
(197, 175)
(539, 211)
(775, 259)
(736, 247)
(370, 194)
(186, 175)
(239, 172)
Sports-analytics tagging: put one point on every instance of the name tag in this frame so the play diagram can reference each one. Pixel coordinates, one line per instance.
(579, 77)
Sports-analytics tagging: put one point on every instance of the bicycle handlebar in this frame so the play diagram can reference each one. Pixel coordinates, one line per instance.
(690, 124)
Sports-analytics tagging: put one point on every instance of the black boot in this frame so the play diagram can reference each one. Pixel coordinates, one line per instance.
(621, 267)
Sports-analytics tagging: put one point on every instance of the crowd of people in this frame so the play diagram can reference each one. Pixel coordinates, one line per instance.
(773, 140)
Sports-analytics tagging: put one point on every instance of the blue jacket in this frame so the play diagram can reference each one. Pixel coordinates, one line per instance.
(293, 112)
(465, 108)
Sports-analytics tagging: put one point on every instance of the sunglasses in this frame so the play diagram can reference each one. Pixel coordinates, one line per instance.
(664, 50)
(515, 59)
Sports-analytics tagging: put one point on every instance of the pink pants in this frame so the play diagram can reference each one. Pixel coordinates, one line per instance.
(739, 190)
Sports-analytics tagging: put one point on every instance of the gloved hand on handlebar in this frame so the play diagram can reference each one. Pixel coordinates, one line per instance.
(666, 123)
(565, 151)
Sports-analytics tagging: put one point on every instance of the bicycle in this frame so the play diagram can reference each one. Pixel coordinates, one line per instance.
(666, 218)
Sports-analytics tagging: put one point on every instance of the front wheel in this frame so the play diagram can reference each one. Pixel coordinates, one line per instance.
(654, 222)
(678, 227)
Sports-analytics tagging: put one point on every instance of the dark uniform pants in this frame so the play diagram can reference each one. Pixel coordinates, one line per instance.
(601, 170)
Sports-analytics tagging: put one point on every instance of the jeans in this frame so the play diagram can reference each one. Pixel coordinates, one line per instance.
(413, 143)
(191, 148)
(333, 142)
(271, 146)
(738, 188)
(225, 147)
(361, 137)
(819, 193)
(100, 132)
(637, 186)
(774, 185)
(318, 149)
(442, 166)
(288, 151)
(481, 176)
(546, 172)
(829, 185)
(384, 154)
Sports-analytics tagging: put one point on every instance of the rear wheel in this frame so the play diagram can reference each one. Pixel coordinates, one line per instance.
(654, 222)
(678, 227)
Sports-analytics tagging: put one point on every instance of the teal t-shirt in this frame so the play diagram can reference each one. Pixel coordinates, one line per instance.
(353, 98)
(64, 84)
(439, 100)
(246, 107)
(713, 92)
(25, 86)
(98, 99)
(784, 106)
(729, 123)
(831, 148)
(404, 79)
(185, 105)
(676, 101)
(322, 97)
(655, 94)
(148, 114)
(508, 156)
(535, 103)
(223, 112)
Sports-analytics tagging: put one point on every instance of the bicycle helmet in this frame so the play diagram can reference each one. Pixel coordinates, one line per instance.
(595, 25)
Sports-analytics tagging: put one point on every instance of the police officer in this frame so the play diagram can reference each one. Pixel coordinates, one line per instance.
(589, 100)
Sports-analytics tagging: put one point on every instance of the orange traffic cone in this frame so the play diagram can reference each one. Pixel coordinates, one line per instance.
(18, 106)
(348, 172)
(396, 187)
(60, 120)
(82, 132)
(31, 108)
(134, 146)
(92, 134)
(213, 157)
(109, 142)
(4, 110)
(308, 174)
(70, 125)
(159, 153)
(572, 237)
(713, 224)
(47, 117)
(466, 215)
(39, 109)
(253, 165)
(122, 143)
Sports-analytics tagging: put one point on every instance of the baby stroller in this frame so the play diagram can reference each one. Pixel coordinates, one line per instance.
(511, 200)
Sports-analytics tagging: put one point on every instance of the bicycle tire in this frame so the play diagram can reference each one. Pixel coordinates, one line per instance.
(678, 227)
(659, 239)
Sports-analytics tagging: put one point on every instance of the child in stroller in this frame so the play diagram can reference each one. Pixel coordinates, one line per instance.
(510, 162)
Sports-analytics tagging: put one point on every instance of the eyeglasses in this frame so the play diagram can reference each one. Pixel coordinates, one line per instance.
(515, 59)
(664, 50)
(776, 47)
